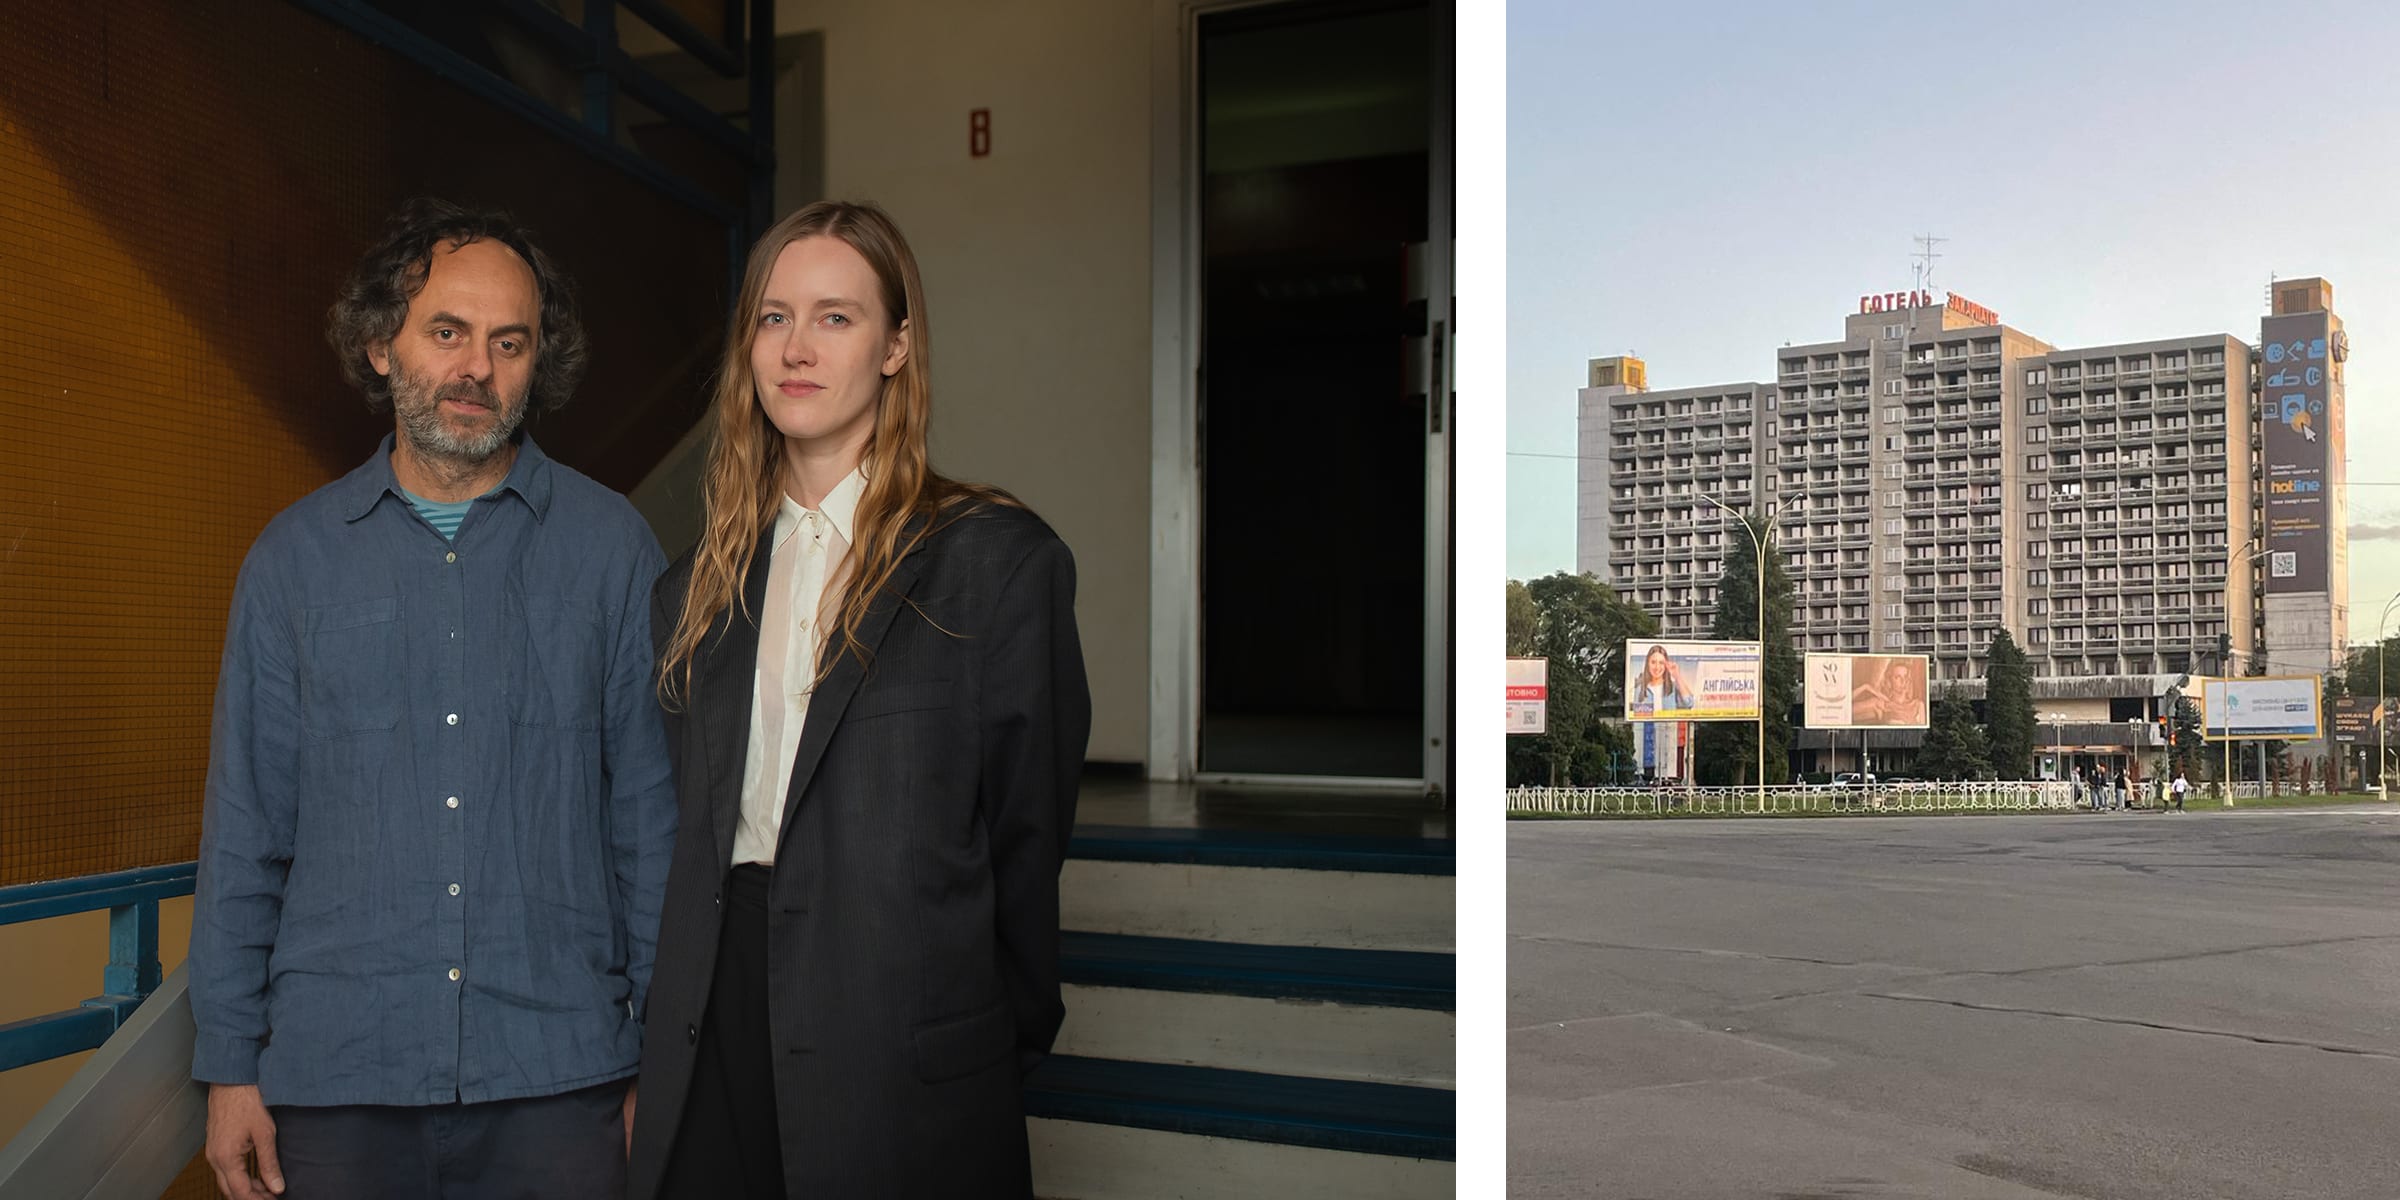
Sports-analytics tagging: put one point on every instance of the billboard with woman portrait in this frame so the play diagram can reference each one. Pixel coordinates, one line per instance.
(1865, 691)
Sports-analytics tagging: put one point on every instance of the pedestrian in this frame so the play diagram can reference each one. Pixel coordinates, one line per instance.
(2182, 786)
(439, 809)
(2124, 791)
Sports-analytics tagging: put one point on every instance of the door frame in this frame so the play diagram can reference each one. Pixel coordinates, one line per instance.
(1175, 308)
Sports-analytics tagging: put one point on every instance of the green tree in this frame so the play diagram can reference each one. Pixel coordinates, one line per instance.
(2008, 706)
(1728, 751)
(1955, 746)
(1524, 620)
(2187, 750)
(1580, 625)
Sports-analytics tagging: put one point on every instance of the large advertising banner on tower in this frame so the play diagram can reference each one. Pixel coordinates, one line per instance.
(2295, 378)
(1691, 681)
(2264, 706)
(1865, 691)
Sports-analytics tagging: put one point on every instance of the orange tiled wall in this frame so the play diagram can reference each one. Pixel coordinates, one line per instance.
(182, 187)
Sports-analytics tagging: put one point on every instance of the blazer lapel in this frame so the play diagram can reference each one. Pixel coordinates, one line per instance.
(832, 698)
(728, 684)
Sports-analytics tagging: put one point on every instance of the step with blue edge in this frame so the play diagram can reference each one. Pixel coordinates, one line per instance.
(1362, 892)
(1327, 1114)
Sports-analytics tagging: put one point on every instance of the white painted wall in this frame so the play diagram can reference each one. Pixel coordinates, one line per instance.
(1037, 269)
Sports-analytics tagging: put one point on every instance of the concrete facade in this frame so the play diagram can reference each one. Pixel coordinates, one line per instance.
(1936, 475)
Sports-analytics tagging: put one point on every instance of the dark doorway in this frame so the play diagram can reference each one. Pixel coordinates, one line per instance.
(1316, 124)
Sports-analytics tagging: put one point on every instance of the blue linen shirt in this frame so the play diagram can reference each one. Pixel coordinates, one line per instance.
(439, 807)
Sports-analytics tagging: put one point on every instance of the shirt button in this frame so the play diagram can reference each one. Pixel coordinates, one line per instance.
(691, 1033)
(454, 974)
(454, 889)
(452, 718)
(450, 557)
(451, 802)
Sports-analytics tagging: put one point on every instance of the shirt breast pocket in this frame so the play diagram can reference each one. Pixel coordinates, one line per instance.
(557, 665)
(354, 678)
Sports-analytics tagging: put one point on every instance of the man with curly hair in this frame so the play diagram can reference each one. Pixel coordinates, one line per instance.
(439, 812)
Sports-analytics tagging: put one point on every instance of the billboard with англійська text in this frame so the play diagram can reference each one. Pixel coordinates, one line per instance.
(1691, 681)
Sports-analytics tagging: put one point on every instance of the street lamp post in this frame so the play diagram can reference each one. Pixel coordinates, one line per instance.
(2058, 742)
(2382, 633)
(1758, 544)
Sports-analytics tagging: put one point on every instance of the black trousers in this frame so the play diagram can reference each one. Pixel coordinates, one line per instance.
(565, 1147)
(727, 1144)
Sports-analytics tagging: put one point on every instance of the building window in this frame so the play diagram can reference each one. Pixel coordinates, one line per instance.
(2037, 578)
(2037, 377)
(2036, 405)
(2035, 435)
(1891, 333)
(1891, 387)
(2037, 462)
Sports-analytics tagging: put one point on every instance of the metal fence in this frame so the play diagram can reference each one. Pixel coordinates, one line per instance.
(2026, 796)
(1989, 796)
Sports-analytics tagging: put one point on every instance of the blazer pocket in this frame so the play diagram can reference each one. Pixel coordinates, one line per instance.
(898, 698)
(954, 1047)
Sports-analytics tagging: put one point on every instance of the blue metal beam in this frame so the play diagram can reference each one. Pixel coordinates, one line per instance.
(56, 1035)
(724, 57)
(762, 115)
(132, 951)
(84, 893)
(593, 49)
(381, 29)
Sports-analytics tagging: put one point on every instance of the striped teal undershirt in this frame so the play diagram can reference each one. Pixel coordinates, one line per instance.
(443, 516)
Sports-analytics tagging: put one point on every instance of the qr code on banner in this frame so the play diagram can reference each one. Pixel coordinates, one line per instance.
(2284, 564)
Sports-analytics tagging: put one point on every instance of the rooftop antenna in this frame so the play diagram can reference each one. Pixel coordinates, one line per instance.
(1925, 257)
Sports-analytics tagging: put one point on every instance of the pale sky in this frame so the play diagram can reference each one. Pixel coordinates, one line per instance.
(1700, 184)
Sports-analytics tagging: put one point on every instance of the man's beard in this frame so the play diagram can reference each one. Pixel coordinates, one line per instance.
(419, 403)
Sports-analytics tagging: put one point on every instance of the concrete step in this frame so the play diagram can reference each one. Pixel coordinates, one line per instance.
(1375, 1015)
(1282, 889)
(1104, 1128)
(1075, 1160)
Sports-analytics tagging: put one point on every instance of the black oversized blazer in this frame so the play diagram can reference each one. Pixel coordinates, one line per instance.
(912, 925)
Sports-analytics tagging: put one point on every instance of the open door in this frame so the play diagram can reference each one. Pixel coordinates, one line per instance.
(1322, 393)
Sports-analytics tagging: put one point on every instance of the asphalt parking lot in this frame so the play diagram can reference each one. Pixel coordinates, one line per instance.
(2090, 1005)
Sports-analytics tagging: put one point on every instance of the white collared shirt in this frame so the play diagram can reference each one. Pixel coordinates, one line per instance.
(810, 546)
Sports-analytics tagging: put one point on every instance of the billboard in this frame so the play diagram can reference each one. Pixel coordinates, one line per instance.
(1660, 749)
(2296, 366)
(1528, 695)
(1865, 691)
(1691, 681)
(2264, 706)
(2354, 720)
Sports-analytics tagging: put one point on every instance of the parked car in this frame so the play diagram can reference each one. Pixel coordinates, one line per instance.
(1851, 779)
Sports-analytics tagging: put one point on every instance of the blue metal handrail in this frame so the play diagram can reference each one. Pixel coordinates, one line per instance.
(131, 898)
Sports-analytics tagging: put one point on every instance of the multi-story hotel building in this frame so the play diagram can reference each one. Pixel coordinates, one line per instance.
(1936, 475)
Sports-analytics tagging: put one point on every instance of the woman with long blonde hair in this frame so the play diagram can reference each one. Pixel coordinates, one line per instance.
(875, 694)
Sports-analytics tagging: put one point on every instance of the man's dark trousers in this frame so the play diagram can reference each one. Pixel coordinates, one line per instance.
(565, 1147)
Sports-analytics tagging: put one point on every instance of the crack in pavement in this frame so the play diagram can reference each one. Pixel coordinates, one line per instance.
(1939, 973)
(2164, 1027)
(1705, 952)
